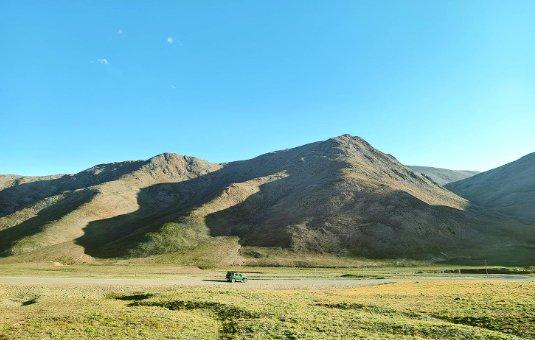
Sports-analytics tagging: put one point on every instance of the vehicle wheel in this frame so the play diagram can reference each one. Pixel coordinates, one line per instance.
(233, 280)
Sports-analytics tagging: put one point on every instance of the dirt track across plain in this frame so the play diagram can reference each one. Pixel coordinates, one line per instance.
(200, 281)
(192, 281)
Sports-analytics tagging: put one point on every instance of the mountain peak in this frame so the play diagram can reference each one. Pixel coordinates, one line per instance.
(347, 138)
(166, 157)
(177, 166)
(339, 195)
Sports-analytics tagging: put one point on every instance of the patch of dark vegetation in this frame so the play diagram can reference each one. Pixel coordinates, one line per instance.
(288, 334)
(29, 302)
(228, 315)
(373, 309)
(360, 276)
(134, 297)
(342, 305)
(252, 253)
(25, 300)
(476, 321)
(511, 271)
(484, 322)
(223, 311)
(479, 321)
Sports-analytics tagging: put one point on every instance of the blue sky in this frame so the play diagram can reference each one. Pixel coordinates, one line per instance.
(440, 83)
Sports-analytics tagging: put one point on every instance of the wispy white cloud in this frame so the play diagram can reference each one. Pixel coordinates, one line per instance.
(103, 61)
(170, 40)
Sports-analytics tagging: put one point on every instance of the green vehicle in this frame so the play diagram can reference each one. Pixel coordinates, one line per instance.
(236, 277)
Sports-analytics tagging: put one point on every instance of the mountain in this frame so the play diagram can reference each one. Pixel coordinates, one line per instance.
(508, 189)
(49, 215)
(340, 196)
(442, 176)
(12, 180)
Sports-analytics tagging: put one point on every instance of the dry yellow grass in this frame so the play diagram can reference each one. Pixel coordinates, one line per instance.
(416, 309)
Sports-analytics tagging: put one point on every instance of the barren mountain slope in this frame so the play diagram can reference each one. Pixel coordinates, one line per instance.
(52, 213)
(13, 180)
(442, 176)
(344, 196)
(340, 196)
(509, 189)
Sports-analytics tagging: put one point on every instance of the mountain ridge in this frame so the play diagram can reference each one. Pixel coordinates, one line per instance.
(441, 175)
(508, 189)
(338, 196)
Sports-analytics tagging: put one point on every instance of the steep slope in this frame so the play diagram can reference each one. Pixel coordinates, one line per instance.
(337, 196)
(26, 191)
(509, 189)
(7, 181)
(49, 215)
(442, 176)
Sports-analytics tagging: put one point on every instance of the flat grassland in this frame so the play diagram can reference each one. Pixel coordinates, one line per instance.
(84, 301)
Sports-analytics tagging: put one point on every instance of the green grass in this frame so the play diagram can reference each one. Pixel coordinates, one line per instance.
(151, 268)
(429, 309)
(279, 257)
(185, 234)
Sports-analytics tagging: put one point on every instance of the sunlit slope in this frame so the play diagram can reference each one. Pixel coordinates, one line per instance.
(442, 176)
(50, 215)
(508, 189)
(340, 196)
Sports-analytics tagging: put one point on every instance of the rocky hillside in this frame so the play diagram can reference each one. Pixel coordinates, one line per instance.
(339, 196)
(13, 180)
(442, 176)
(509, 189)
(47, 216)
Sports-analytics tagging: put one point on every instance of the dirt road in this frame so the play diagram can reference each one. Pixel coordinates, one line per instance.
(203, 281)
(191, 281)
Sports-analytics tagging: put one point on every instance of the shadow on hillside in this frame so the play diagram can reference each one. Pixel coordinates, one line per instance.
(158, 204)
(162, 203)
(310, 209)
(269, 218)
(36, 224)
(26, 194)
(410, 229)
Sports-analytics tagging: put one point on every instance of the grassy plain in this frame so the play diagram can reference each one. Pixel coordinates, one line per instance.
(400, 302)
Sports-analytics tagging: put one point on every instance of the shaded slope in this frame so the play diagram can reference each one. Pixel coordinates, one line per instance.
(24, 191)
(339, 196)
(114, 189)
(442, 176)
(26, 236)
(13, 180)
(509, 189)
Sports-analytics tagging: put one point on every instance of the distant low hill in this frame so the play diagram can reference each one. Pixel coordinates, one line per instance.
(13, 180)
(340, 196)
(442, 176)
(509, 189)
